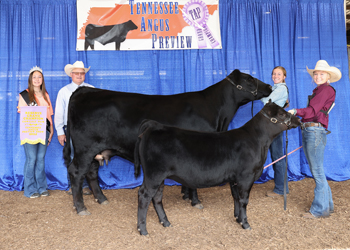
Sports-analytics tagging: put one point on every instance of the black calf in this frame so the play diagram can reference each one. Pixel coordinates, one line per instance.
(198, 160)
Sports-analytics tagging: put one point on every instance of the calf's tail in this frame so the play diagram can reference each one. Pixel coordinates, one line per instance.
(67, 149)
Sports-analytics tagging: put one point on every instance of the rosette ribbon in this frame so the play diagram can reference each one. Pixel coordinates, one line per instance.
(196, 14)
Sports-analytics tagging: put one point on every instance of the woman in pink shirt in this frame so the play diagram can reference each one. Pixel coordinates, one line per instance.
(315, 119)
(35, 184)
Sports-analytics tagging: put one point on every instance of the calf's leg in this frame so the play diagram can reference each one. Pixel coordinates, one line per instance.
(243, 192)
(145, 195)
(158, 206)
(235, 195)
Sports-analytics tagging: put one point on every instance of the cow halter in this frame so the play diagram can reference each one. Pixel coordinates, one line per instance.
(254, 92)
(286, 121)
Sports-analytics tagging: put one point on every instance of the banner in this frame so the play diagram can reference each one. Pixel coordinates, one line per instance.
(148, 25)
(33, 124)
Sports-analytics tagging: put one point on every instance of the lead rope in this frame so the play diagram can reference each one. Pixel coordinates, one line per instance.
(285, 174)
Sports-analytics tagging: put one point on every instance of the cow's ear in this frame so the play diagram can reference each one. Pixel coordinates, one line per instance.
(236, 75)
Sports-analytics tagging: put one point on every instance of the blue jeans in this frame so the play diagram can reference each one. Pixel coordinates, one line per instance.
(276, 150)
(34, 168)
(85, 184)
(314, 143)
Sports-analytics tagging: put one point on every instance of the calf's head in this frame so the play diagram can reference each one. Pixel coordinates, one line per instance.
(278, 115)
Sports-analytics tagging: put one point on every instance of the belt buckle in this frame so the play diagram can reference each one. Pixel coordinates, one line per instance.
(302, 125)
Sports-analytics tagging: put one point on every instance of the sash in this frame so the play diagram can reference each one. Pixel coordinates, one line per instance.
(25, 96)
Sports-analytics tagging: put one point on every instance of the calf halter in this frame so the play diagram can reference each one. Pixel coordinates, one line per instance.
(254, 92)
(286, 121)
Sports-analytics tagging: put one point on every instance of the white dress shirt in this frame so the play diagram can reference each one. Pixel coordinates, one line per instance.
(62, 101)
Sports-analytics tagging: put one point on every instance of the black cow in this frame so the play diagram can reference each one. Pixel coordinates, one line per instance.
(107, 34)
(108, 122)
(205, 159)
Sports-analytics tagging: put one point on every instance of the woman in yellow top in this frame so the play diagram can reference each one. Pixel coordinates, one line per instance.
(35, 184)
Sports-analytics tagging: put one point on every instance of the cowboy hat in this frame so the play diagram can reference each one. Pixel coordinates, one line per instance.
(77, 65)
(322, 65)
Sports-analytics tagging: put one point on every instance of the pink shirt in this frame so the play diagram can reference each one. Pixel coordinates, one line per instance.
(323, 99)
(40, 101)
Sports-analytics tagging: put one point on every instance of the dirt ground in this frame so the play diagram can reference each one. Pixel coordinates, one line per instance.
(51, 223)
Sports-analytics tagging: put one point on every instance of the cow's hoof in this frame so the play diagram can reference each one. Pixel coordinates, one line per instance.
(106, 202)
(143, 232)
(166, 224)
(246, 226)
(84, 213)
(199, 206)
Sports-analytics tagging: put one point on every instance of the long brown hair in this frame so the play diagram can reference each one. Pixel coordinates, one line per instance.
(283, 70)
(31, 88)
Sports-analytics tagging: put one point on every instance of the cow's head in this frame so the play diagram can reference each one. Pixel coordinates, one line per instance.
(278, 115)
(131, 25)
(247, 83)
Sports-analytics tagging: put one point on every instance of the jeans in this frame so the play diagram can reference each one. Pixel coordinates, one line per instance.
(34, 168)
(314, 143)
(85, 184)
(276, 150)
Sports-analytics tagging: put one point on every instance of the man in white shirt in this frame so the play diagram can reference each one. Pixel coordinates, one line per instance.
(77, 72)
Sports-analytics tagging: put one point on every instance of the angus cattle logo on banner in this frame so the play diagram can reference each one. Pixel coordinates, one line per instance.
(148, 25)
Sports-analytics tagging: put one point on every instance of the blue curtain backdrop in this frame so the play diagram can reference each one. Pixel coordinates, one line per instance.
(257, 35)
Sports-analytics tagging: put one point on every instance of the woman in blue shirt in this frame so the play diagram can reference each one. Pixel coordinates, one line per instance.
(279, 96)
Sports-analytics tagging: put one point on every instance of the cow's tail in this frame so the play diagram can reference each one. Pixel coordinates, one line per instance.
(145, 124)
(67, 149)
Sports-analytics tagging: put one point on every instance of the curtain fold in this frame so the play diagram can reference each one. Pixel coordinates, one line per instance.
(257, 35)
